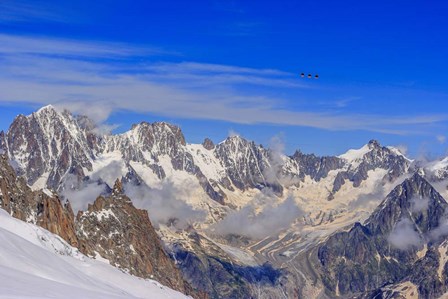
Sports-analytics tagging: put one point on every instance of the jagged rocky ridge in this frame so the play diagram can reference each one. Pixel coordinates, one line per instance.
(111, 228)
(49, 145)
(403, 241)
(37, 207)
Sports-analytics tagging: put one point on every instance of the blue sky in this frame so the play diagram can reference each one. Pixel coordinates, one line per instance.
(216, 67)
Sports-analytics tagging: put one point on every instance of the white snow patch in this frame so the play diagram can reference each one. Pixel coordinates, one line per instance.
(443, 250)
(209, 165)
(99, 258)
(104, 214)
(146, 174)
(41, 182)
(421, 253)
(31, 266)
(47, 192)
(397, 152)
(439, 165)
(406, 289)
(354, 154)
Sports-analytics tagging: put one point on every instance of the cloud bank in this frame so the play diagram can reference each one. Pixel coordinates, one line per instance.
(81, 194)
(259, 224)
(165, 204)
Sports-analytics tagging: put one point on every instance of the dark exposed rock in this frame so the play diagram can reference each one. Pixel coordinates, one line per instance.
(208, 144)
(3, 149)
(211, 270)
(316, 167)
(245, 164)
(35, 206)
(339, 181)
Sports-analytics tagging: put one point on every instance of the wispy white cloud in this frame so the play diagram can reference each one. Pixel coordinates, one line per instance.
(249, 221)
(97, 78)
(404, 235)
(342, 103)
(19, 45)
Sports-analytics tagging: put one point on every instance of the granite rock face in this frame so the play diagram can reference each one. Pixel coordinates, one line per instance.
(208, 144)
(316, 167)
(48, 144)
(113, 228)
(246, 164)
(37, 207)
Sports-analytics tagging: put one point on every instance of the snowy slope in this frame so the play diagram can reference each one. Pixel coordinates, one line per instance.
(34, 263)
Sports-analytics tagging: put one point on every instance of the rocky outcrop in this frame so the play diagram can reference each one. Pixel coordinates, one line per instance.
(111, 228)
(316, 167)
(117, 231)
(37, 207)
(57, 218)
(376, 157)
(379, 157)
(246, 164)
(208, 144)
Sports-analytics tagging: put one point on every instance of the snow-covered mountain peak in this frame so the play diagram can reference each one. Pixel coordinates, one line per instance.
(53, 121)
(162, 130)
(372, 152)
(399, 152)
(46, 144)
(440, 164)
(235, 143)
(355, 154)
(373, 144)
(438, 169)
(46, 109)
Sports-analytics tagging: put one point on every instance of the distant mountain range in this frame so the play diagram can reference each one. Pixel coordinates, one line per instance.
(232, 219)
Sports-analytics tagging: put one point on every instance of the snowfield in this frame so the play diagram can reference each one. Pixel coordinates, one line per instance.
(35, 263)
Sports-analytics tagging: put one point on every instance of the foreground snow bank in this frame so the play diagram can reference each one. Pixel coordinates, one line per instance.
(35, 263)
